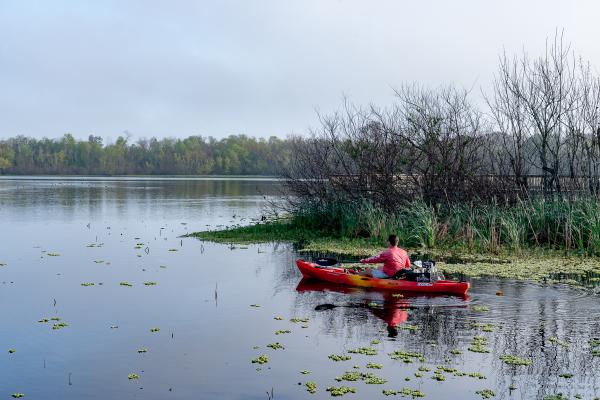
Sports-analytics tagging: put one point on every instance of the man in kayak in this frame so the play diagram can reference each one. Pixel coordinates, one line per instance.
(394, 259)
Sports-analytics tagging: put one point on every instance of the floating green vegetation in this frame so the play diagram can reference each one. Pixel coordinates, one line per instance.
(150, 283)
(558, 396)
(3, 264)
(350, 376)
(414, 393)
(53, 254)
(142, 350)
(483, 327)
(125, 284)
(368, 351)
(282, 331)
(411, 328)
(406, 356)
(375, 341)
(114, 327)
(305, 372)
(299, 319)
(10, 351)
(88, 284)
(470, 374)
(278, 318)
(44, 320)
(515, 360)
(480, 308)
(455, 352)
(173, 250)
(254, 305)
(557, 341)
(99, 261)
(311, 387)
(341, 390)
(375, 380)
(18, 395)
(438, 376)
(423, 368)
(133, 376)
(262, 359)
(443, 368)
(59, 325)
(339, 357)
(486, 393)
(595, 342)
(154, 330)
(478, 345)
(162, 266)
(566, 375)
(275, 346)
(374, 365)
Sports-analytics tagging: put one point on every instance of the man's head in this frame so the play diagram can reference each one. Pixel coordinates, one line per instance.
(393, 240)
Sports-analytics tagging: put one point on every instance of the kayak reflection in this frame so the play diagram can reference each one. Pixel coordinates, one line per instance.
(392, 308)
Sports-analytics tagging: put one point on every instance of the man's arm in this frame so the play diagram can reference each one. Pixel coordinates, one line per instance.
(374, 260)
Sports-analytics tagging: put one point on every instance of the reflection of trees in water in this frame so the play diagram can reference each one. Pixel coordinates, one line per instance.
(526, 317)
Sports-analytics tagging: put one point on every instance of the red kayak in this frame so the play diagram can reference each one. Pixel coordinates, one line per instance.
(350, 278)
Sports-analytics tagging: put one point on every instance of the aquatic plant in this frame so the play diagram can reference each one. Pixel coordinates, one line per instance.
(142, 350)
(339, 357)
(173, 250)
(405, 356)
(18, 395)
(133, 376)
(275, 346)
(558, 396)
(375, 341)
(486, 393)
(53, 254)
(455, 352)
(125, 284)
(374, 380)
(424, 368)
(254, 305)
(305, 372)
(262, 359)
(411, 328)
(478, 345)
(150, 283)
(470, 374)
(368, 351)
(113, 327)
(350, 376)
(414, 393)
(299, 319)
(480, 308)
(99, 261)
(154, 330)
(59, 325)
(10, 351)
(311, 387)
(443, 368)
(55, 319)
(3, 264)
(374, 365)
(278, 318)
(43, 320)
(515, 360)
(88, 284)
(438, 376)
(282, 331)
(566, 375)
(341, 390)
(555, 340)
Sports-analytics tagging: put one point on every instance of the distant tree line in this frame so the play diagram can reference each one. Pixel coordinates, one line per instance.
(541, 120)
(233, 155)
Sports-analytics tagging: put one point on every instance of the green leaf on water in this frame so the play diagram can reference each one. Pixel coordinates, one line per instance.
(133, 376)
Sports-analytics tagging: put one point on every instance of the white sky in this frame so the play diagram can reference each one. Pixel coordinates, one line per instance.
(182, 67)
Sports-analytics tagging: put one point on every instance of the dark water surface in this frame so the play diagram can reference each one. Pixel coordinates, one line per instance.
(202, 304)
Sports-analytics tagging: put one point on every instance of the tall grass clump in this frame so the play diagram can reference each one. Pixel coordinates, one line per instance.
(570, 225)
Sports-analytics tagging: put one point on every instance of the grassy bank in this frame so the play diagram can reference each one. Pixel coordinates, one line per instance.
(539, 240)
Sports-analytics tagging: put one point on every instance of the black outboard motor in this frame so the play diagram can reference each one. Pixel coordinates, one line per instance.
(422, 271)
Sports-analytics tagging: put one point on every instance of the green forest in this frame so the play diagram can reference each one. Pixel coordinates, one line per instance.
(195, 155)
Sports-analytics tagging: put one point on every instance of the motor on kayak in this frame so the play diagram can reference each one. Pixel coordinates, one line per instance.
(422, 270)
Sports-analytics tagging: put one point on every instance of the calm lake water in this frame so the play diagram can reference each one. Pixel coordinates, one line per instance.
(59, 233)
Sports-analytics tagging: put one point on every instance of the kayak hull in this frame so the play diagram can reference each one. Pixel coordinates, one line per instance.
(341, 276)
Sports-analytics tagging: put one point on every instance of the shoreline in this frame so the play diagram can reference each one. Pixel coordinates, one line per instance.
(535, 265)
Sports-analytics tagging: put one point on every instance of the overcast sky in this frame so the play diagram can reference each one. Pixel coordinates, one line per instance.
(182, 67)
